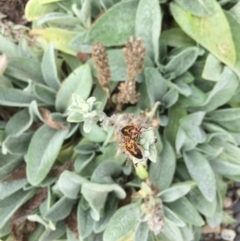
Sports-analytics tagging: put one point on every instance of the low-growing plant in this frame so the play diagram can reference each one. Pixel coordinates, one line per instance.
(80, 97)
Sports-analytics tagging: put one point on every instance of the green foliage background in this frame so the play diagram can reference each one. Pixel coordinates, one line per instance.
(192, 67)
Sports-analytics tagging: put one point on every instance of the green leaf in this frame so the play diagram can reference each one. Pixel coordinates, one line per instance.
(201, 203)
(197, 164)
(96, 195)
(122, 223)
(45, 94)
(176, 191)
(208, 31)
(17, 144)
(105, 172)
(161, 173)
(117, 32)
(69, 183)
(225, 168)
(34, 9)
(222, 92)
(110, 208)
(8, 47)
(141, 232)
(171, 232)
(85, 221)
(82, 161)
(49, 234)
(170, 98)
(97, 134)
(175, 113)
(15, 97)
(148, 26)
(61, 38)
(175, 37)
(18, 123)
(42, 152)
(10, 187)
(182, 61)
(173, 217)
(49, 68)
(199, 8)
(11, 204)
(229, 119)
(60, 210)
(9, 163)
(212, 69)
(185, 210)
(190, 133)
(25, 69)
(78, 82)
(156, 85)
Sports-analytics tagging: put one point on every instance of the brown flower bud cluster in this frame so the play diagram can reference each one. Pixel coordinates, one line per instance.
(100, 60)
(152, 207)
(134, 53)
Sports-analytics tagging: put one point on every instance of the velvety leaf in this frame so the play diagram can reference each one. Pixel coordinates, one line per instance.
(5, 82)
(122, 222)
(19, 144)
(222, 92)
(170, 98)
(8, 47)
(15, 97)
(59, 37)
(42, 152)
(176, 191)
(105, 172)
(34, 9)
(85, 221)
(161, 173)
(110, 208)
(82, 161)
(173, 217)
(224, 167)
(49, 235)
(201, 203)
(97, 134)
(18, 123)
(78, 82)
(9, 163)
(199, 8)
(49, 68)
(190, 132)
(141, 232)
(10, 187)
(197, 164)
(208, 31)
(10, 205)
(70, 183)
(212, 69)
(25, 69)
(175, 113)
(96, 195)
(186, 211)
(61, 209)
(116, 25)
(156, 85)
(170, 232)
(45, 94)
(175, 37)
(182, 61)
(148, 26)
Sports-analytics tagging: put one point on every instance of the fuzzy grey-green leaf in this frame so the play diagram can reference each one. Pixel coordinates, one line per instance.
(42, 152)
